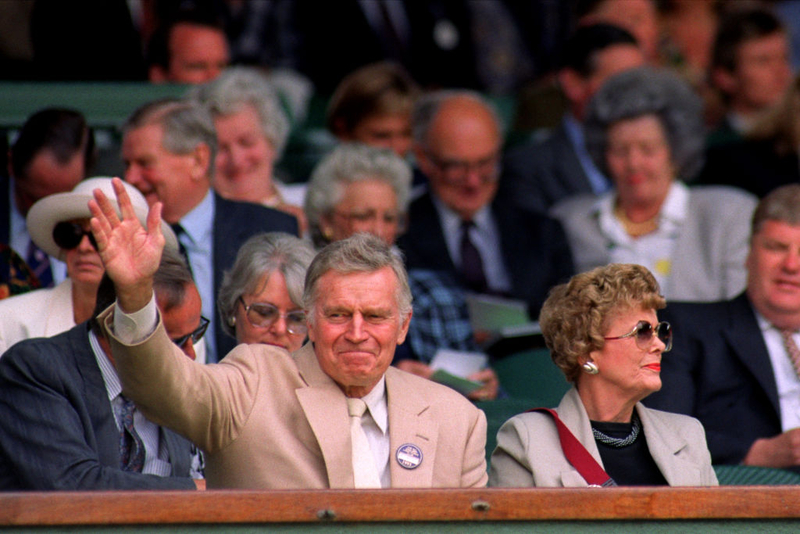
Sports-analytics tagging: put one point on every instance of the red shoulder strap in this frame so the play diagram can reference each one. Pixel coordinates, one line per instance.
(577, 455)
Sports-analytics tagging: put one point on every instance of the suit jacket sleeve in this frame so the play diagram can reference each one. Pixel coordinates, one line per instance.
(510, 466)
(475, 454)
(207, 404)
(44, 440)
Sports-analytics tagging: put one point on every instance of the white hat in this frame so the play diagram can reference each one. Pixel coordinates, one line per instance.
(53, 209)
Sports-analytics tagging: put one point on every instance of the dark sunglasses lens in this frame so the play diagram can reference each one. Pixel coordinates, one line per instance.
(67, 235)
(644, 331)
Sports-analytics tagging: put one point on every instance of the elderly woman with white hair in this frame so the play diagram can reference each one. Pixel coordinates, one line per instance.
(357, 188)
(644, 130)
(261, 297)
(252, 130)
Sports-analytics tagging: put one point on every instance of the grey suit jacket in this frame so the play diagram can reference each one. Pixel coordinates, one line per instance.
(710, 251)
(58, 430)
(529, 451)
(270, 420)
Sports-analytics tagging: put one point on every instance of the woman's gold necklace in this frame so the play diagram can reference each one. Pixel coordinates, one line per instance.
(635, 229)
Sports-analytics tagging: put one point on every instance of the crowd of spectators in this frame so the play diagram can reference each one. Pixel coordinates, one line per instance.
(650, 153)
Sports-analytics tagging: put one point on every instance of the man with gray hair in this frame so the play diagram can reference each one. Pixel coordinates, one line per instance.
(269, 419)
(735, 364)
(169, 147)
(457, 226)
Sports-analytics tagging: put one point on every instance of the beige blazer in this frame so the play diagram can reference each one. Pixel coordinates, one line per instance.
(270, 420)
(529, 452)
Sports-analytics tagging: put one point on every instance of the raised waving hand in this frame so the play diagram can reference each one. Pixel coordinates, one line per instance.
(130, 252)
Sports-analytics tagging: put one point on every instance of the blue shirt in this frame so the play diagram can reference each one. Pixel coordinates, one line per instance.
(198, 240)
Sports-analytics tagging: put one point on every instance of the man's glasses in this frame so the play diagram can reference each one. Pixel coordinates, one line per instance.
(644, 334)
(68, 235)
(457, 171)
(196, 335)
(263, 315)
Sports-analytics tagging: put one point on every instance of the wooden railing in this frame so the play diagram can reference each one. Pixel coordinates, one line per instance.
(407, 506)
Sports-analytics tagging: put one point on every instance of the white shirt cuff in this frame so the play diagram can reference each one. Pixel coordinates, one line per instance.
(133, 328)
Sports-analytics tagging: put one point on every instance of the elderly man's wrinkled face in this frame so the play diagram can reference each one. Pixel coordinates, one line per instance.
(355, 326)
(179, 181)
(462, 156)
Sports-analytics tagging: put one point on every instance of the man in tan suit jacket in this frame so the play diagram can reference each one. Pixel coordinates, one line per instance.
(270, 419)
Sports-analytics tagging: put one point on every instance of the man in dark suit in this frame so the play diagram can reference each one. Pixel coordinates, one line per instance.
(52, 153)
(62, 407)
(735, 364)
(169, 148)
(539, 173)
(457, 226)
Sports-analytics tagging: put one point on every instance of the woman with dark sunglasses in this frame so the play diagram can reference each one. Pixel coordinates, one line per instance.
(59, 225)
(603, 333)
(260, 300)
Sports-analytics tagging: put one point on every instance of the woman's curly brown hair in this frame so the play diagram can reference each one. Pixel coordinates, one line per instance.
(575, 316)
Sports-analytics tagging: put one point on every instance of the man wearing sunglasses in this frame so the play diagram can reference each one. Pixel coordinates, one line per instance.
(333, 414)
(67, 424)
(735, 365)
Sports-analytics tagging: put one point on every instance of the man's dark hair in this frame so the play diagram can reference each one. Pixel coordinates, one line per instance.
(738, 27)
(158, 45)
(581, 49)
(63, 132)
(169, 283)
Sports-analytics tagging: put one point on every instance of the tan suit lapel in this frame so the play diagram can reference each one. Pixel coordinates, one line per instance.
(665, 447)
(409, 423)
(325, 409)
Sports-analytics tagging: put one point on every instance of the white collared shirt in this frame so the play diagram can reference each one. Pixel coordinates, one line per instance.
(484, 235)
(786, 379)
(198, 240)
(375, 423)
(654, 250)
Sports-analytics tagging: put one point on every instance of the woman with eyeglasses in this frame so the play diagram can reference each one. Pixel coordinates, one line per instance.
(59, 225)
(603, 333)
(260, 300)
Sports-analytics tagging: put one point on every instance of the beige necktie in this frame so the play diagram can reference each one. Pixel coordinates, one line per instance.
(364, 471)
(791, 349)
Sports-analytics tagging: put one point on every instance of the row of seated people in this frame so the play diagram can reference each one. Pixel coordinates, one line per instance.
(601, 328)
(649, 340)
(267, 418)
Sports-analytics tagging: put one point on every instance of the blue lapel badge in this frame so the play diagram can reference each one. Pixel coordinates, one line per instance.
(408, 456)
